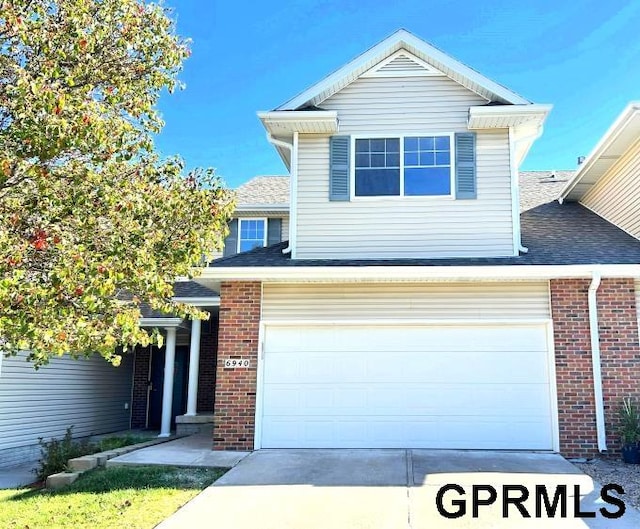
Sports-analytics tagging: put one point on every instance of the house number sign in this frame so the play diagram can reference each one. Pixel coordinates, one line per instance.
(236, 362)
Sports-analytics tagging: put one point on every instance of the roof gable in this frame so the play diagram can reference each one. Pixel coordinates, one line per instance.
(408, 45)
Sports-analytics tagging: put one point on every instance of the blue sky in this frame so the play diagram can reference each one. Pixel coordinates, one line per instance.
(581, 56)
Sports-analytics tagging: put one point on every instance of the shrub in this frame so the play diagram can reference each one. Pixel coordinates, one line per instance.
(56, 452)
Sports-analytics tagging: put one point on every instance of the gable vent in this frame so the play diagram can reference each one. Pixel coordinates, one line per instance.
(402, 64)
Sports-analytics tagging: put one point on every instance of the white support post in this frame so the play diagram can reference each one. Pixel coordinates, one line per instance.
(194, 365)
(167, 391)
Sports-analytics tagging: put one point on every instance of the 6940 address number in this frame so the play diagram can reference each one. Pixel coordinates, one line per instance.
(236, 362)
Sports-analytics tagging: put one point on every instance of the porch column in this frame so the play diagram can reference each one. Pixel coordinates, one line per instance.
(167, 390)
(194, 366)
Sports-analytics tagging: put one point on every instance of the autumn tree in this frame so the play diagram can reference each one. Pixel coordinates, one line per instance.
(93, 222)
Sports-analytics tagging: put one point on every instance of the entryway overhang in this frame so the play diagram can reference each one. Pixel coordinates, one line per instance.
(170, 326)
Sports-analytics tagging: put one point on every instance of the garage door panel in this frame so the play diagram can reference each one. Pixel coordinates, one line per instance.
(463, 386)
(410, 367)
(404, 400)
(400, 432)
(349, 338)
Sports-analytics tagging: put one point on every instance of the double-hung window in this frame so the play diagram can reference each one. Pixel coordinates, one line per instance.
(252, 234)
(403, 166)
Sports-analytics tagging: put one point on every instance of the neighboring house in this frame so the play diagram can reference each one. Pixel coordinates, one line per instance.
(95, 398)
(88, 394)
(413, 304)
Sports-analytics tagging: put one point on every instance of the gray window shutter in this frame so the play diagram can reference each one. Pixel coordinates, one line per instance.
(231, 242)
(274, 231)
(339, 167)
(466, 185)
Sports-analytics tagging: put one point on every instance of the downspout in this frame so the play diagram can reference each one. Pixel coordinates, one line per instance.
(595, 360)
(289, 146)
(515, 185)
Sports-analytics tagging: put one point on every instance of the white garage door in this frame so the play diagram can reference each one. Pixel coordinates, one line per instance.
(382, 386)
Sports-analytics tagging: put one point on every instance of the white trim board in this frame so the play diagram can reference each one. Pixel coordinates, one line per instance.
(415, 273)
(403, 39)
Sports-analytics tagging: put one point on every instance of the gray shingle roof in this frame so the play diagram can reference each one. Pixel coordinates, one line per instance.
(191, 289)
(555, 235)
(541, 187)
(264, 190)
(536, 188)
(181, 289)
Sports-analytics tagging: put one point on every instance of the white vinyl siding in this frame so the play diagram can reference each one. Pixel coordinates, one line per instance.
(403, 105)
(616, 197)
(405, 301)
(88, 394)
(397, 227)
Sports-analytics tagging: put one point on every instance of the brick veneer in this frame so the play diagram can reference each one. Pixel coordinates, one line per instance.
(235, 395)
(619, 350)
(620, 359)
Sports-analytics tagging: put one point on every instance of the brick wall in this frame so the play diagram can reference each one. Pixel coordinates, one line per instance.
(140, 379)
(620, 359)
(235, 395)
(619, 350)
(576, 404)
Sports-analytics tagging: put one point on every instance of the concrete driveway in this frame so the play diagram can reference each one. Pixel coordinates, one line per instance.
(395, 489)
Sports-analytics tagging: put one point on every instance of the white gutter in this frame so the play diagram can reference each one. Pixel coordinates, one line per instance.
(595, 360)
(160, 322)
(245, 208)
(292, 179)
(211, 301)
(414, 273)
(293, 199)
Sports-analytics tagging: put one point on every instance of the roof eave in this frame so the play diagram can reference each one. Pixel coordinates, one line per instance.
(279, 123)
(488, 117)
(627, 121)
(247, 208)
(415, 273)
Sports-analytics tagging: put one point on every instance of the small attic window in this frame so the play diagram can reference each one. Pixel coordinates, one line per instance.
(402, 64)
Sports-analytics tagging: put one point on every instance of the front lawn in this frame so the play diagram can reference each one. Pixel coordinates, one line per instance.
(131, 497)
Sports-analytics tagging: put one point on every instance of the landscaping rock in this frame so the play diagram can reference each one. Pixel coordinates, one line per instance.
(62, 479)
(83, 463)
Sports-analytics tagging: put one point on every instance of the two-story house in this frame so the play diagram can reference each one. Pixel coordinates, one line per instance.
(410, 304)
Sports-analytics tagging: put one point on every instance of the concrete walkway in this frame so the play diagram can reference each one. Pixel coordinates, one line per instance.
(192, 451)
(19, 476)
(394, 489)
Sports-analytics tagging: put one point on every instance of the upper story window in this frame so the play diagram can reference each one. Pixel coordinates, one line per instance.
(252, 234)
(403, 166)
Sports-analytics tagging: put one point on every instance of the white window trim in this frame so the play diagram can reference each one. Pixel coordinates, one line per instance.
(266, 228)
(401, 196)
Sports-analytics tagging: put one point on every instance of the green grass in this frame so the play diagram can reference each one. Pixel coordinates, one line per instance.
(111, 443)
(131, 497)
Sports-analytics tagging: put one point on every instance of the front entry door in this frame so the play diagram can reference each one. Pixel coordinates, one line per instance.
(180, 377)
